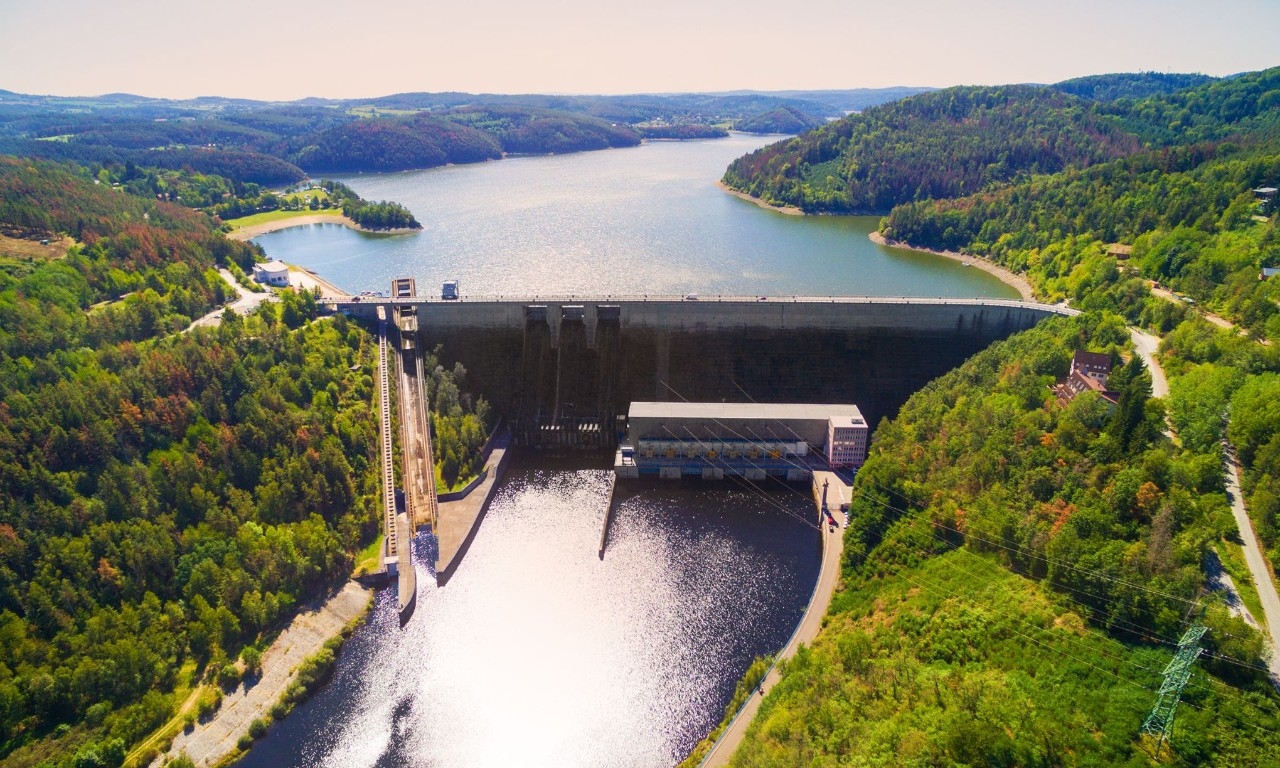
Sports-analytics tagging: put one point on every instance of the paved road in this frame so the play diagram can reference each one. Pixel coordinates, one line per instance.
(1262, 580)
(1146, 345)
(246, 302)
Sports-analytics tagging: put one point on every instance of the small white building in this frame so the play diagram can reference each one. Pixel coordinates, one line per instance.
(272, 273)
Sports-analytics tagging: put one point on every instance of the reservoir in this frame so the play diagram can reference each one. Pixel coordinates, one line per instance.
(537, 652)
(642, 220)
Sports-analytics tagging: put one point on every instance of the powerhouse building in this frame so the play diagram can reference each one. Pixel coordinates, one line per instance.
(753, 440)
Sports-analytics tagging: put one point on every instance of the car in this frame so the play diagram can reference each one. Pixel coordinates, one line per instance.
(691, 297)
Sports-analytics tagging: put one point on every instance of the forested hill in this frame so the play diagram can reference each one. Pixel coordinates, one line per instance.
(1137, 85)
(1188, 210)
(167, 498)
(938, 144)
(784, 119)
(277, 144)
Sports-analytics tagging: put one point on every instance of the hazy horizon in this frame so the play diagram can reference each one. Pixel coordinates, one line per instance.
(286, 51)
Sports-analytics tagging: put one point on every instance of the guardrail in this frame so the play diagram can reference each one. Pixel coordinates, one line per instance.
(727, 299)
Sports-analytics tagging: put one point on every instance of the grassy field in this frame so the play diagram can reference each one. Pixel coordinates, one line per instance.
(317, 193)
(367, 558)
(368, 111)
(268, 216)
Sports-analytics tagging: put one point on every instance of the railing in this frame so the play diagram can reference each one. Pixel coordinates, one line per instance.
(727, 299)
(388, 467)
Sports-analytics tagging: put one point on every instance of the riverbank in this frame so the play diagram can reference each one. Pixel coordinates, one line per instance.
(789, 210)
(210, 742)
(261, 228)
(1011, 279)
(721, 751)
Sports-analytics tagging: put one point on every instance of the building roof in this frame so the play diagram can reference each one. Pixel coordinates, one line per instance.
(274, 267)
(1077, 382)
(764, 411)
(1094, 360)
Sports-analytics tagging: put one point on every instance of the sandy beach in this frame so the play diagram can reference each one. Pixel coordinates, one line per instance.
(246, 233)
(1012, 279)
(790, 210)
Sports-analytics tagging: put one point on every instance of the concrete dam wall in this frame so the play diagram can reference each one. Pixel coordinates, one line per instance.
(562, 371)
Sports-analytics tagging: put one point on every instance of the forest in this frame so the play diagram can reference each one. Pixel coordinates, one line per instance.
(169, 498)
(279, 144)
(1016, 574)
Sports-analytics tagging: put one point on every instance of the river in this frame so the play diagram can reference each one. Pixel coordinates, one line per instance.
(642, 220)
(538, 653)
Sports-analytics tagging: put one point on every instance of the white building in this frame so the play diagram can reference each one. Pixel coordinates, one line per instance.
(272, 273)
(847, 440)
(672, 439)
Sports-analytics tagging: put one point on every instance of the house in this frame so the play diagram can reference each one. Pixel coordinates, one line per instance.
(272, 273)
(1095, 365)
(1089, 372)
(1119, 252)
(1268, 272)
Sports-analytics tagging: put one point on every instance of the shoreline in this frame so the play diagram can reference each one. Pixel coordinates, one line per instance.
(789, 210)
(213, 740)
(252, 231)
(1011, 279)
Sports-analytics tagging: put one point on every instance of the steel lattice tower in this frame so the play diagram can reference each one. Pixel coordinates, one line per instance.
(1160, 722)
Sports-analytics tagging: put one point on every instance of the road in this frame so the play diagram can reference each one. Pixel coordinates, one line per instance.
(1258, 569)
(246, 302)
(1146, 346)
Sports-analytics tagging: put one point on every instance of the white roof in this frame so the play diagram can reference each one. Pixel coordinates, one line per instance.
(765, 411)
(274, 267)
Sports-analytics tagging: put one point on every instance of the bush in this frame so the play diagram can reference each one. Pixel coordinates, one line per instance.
(229, 675)
(258, 728)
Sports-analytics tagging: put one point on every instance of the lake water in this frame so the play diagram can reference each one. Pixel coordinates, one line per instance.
(539, 653)
(642, 220)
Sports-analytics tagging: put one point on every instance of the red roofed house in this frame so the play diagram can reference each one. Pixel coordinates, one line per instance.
(1089, 371)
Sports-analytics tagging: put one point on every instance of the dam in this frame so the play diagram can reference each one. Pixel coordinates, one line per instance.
(563, 370)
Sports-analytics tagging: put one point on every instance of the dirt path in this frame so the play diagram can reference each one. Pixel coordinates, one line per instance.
(1011, 279)
(210, 741)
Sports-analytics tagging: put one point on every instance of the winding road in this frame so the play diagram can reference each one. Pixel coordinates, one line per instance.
(1146, 345)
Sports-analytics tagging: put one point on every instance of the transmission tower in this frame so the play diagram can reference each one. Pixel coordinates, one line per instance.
(1160, 722)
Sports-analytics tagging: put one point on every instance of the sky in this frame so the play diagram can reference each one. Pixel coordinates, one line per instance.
(289, 49)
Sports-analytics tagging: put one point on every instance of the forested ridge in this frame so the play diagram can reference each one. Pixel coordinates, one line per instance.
(932, 145)
(169, 498)
(1017, 573)
(1018, 570)
(279, 144)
